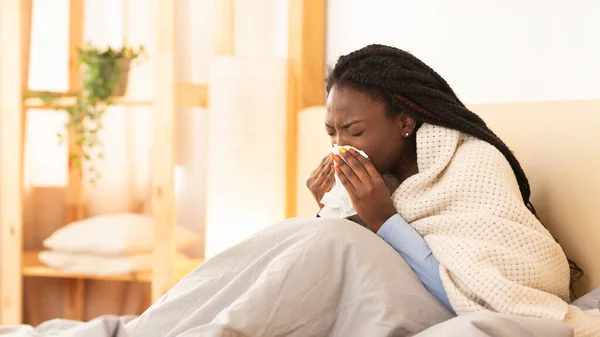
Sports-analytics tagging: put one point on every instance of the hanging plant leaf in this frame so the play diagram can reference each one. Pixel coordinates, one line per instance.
(105, 74)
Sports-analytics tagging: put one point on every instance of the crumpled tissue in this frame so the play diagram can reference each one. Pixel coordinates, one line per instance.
(337, 202)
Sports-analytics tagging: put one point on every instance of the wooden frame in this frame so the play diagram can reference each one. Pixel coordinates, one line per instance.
(306, 77)
(74, 288)
(188, 96)
(306, 72)
(14, 17)
(15, 99)
(163, 150)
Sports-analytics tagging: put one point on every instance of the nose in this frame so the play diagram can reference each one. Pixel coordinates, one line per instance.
(339, 140)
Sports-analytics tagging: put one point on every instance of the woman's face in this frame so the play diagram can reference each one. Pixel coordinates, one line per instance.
(354, 118)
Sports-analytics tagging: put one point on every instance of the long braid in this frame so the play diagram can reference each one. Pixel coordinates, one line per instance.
(417, 90)
(408, 85)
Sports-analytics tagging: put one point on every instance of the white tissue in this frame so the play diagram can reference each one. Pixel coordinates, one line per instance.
(336, 202)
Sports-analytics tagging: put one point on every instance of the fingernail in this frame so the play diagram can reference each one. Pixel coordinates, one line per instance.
(342, 150)
(331, 156)
(337, 158)
(352, 150)
(337, 168)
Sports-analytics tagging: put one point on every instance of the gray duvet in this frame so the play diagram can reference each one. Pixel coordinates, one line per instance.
(473, 325)
(302, 277)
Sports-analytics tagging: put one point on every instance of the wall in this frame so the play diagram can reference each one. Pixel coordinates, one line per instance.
(489, 51)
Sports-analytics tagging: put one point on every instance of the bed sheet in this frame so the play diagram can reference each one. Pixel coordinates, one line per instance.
(483, 324)
(303, 277)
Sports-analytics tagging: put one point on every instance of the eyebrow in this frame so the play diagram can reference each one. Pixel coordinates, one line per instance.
(347, 125)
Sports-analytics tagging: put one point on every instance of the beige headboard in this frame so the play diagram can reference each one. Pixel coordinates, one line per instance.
(558, 145)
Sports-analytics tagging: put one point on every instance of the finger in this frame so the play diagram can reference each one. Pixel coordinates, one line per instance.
(348, 173)
(329, 160)
(356, 165)
(367, 164)
(327, 168)
(328, 183)
(322, 164)
(321, 177)
(323, 174)
(345, 181)
(315, 173)
(326, 164)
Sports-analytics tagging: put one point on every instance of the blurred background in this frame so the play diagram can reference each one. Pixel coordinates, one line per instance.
(239, 162)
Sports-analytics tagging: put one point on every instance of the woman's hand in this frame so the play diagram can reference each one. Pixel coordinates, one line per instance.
(368, 191)
(321, 179)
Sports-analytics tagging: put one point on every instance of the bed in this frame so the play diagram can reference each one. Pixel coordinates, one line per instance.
(563, 195)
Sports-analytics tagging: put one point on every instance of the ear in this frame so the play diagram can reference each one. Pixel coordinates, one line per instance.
(406, 124)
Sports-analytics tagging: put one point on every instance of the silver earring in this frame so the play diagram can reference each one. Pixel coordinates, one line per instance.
(406, 135)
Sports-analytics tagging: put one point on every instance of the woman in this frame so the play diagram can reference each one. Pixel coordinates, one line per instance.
(369, 108)
(439, 188)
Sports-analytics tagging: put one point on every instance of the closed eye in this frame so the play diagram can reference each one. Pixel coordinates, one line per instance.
(330, 130)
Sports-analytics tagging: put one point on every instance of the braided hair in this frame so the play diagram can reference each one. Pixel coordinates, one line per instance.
(406, 84)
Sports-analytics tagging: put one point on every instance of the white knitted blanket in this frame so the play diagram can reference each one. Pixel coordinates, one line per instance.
(494, 254)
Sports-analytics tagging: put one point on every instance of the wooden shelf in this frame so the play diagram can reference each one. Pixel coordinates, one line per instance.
(32, 266)
(187, 96)
(166, 96)
(69, 100)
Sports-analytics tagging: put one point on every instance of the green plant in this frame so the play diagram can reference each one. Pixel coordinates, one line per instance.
(102, 69)
(104, 74)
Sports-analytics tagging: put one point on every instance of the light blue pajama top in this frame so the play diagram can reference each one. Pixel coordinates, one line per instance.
(417, 254)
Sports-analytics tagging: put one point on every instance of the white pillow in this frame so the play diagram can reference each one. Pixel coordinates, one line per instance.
(113, 234)
(98, 264)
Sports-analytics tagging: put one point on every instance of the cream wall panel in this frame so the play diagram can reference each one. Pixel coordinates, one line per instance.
(489, 51)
